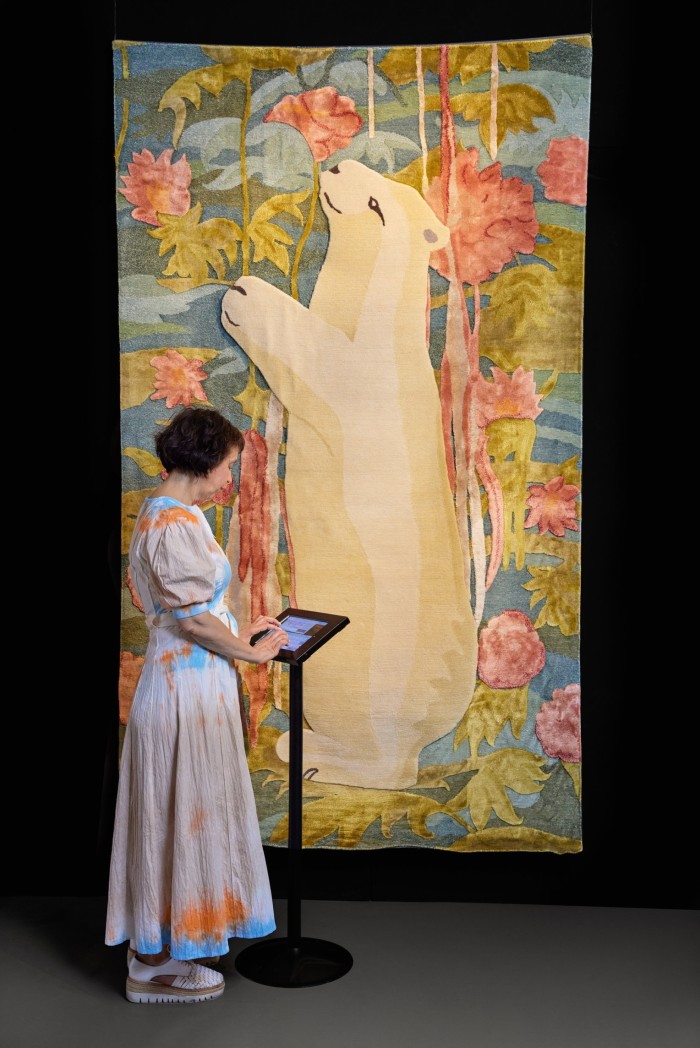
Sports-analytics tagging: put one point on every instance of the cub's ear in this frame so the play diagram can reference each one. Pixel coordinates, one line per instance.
(436, 235)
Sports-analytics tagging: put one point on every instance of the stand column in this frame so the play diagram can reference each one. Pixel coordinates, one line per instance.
(294, 960)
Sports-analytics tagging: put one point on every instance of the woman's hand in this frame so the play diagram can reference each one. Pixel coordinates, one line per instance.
(263, 622)
(267, 647)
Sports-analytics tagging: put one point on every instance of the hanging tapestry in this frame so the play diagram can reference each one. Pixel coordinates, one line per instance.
(371, 261)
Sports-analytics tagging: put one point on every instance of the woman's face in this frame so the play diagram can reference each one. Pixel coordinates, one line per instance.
(218, 477)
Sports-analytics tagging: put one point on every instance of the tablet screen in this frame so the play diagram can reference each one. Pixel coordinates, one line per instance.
(307, 631)
(298, 629)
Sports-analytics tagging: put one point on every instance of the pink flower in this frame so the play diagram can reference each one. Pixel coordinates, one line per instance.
(510, 651)
(558, 724)
(178, 379)
(508, 396)
(565, 170)
(497, 221)
(328, 121)
(157, 186)
(552, 506)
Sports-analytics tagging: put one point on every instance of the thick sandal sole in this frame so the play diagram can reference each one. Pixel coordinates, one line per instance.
(150, 993)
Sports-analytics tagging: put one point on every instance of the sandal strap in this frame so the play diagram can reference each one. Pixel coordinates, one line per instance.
(188, 974)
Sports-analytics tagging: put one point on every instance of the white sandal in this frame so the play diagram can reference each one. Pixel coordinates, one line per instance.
(192, 983)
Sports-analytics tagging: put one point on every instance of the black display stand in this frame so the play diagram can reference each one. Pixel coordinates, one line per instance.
(296, 960)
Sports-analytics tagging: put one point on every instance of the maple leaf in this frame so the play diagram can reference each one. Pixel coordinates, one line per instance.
(267, 237)
(485, 792)
(518, 106)
(489, 712)
(560, 588)
(197, 246)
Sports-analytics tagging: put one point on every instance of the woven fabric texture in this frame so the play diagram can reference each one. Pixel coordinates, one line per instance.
(372, 261)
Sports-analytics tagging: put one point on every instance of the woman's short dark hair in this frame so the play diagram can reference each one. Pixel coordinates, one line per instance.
(196, 440)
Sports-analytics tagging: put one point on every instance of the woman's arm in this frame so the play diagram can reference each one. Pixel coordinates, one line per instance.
(211, 633)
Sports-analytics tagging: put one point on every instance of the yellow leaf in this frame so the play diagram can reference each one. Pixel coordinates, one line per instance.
(518, 770)
(263, 756)
(198, 248)
(412, 174)
(489, 712)
(267, 239)
(560, 588)
(245, 59)
(553, 339)
(518, 105)
(549, 385)
(177, 285)
(565, 251)
(525, 300)
(574, 771)
(349, 811)
(150, 464)
(275, 205)
(254, 400)
(187, 89)
(284, 573)
(399, 63)
(131, 504)
(472, 60)
(517, 55)
(515, 838)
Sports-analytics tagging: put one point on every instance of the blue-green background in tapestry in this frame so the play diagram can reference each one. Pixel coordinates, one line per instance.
(200, 168)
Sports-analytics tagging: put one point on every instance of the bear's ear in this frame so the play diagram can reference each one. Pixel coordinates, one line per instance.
(436, 235)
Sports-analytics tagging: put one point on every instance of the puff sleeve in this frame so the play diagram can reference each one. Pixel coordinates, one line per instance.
(183, 568)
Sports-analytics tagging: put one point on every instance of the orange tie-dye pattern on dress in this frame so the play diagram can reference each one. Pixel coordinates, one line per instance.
(169, 515)
(203, 921)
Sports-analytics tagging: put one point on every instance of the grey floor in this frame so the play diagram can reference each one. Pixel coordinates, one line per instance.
(424, 975)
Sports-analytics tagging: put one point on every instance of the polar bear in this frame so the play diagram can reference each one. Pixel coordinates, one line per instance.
(369, 505)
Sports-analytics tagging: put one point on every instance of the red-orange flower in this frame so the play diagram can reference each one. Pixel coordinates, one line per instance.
(558, 724)
(552, 506)
(508, 396)
(497, 221)
(178, 379)
(328, 121)
(510, 651)
(130, 667)
(157, 186)
(565, 170)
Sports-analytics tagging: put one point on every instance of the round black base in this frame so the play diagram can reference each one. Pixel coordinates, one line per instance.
(299, 962)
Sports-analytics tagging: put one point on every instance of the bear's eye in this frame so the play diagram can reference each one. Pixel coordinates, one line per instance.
(374, 206)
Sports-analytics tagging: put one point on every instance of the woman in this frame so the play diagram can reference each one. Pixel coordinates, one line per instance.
(187, 869)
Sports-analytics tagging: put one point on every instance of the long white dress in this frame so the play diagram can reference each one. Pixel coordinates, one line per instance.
(187, 865)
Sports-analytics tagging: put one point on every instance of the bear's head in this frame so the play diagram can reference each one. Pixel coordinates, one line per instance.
(381, 236)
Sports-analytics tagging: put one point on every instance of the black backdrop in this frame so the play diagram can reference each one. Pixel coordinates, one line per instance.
(65, 851)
